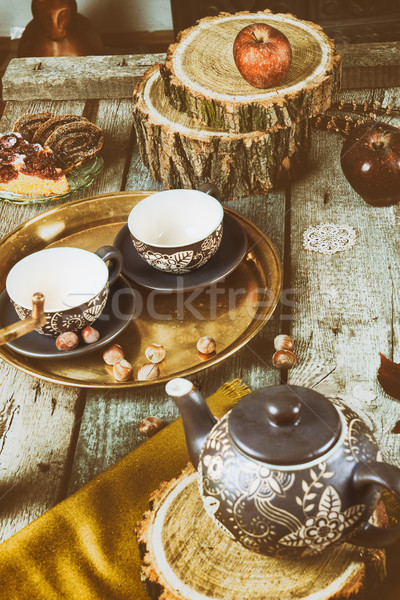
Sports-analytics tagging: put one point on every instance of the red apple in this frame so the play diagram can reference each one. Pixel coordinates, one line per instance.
(370, 160)
(262, 54)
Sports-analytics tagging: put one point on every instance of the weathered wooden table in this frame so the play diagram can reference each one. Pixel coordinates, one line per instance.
(341, 310)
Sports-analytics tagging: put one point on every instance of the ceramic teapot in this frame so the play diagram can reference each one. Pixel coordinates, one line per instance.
(287, 472)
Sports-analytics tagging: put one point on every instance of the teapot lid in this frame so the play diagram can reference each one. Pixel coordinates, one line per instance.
(284, 425)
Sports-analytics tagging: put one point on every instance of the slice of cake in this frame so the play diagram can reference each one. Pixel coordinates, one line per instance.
(29, 169)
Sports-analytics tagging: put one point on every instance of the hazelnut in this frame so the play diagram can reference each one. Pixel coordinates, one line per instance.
(113, 354)
(284, 359)
(90, 335)
(283, 342)
(206, 345)
(67, 340)
(122, 370)
(155, 353)
(150, 425)
(148, 371)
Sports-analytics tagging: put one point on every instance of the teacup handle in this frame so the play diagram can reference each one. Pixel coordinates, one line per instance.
(115, 257)
(386, 476)
(209, 188)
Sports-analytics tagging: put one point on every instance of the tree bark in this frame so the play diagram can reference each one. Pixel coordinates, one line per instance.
(181, 153)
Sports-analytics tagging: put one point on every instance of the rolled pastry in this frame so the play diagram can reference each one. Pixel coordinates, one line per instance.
(47, 128)
(75, 142)
(29, 123)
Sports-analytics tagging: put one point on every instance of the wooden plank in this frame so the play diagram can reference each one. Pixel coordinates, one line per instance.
(347, 308)
(36, 423)
(94, 77)
(86, 77)
(109, 427)
(115, 119)
(26, 405)
(370, 65)
(37, 419)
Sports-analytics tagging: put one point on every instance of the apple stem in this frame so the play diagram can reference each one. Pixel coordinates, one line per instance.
(256, 39)
(377, 145)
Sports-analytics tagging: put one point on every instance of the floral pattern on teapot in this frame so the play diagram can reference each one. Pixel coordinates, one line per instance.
(288, 511)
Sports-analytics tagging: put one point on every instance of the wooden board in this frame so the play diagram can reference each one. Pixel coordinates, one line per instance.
(89, 77)
(180, 152)
(370, 65)
(94, 77)
(201, 77)
(36, 420)
(346, 311)
(39, 422)
(187, 557)
(87, 435)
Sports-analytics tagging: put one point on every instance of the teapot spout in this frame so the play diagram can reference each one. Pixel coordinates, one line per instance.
(196, 416)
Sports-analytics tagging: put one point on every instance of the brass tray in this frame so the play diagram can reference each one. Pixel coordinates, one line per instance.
(232, 311)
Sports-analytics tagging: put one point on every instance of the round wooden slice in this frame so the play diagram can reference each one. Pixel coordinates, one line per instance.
(187, 557)
(202, 78)
(182, 153)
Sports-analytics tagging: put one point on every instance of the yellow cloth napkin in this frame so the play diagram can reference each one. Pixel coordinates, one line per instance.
(85, 547)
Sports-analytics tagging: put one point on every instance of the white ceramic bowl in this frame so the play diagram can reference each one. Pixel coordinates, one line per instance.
(74, 282)
(177, 231)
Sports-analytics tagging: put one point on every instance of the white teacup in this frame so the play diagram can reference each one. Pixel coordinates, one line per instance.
(177, 231)
(75, 284)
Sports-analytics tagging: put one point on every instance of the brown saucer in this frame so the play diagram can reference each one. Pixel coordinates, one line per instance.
(230, 253)
(114, 319)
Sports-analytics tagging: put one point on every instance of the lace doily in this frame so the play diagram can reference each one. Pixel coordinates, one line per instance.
(329, 238)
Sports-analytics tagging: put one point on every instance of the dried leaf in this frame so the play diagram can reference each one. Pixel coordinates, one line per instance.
(396, 428)
(389, 376)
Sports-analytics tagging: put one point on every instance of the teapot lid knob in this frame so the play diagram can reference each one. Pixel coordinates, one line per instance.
(284, 411)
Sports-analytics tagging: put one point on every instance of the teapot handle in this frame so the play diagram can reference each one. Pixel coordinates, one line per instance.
(387, 476)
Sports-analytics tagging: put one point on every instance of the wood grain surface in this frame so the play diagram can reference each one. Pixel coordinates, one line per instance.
(371, 65)
(201, 77)
(185, 556)
(341, 311)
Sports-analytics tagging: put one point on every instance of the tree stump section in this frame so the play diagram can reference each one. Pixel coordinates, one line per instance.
(187, 557)
(202, 79)
(182, 153)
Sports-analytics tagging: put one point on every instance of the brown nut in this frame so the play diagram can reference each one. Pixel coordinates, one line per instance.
(122, 370)
(113, 354)
(148, 371)
(155, 353)
(150, 425)
(283, 342)
(284, 359)
(90, 335)
(206, 345)
(67, 340)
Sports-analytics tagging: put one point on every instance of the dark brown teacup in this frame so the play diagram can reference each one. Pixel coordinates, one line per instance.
(177, 231)
(75, 284)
